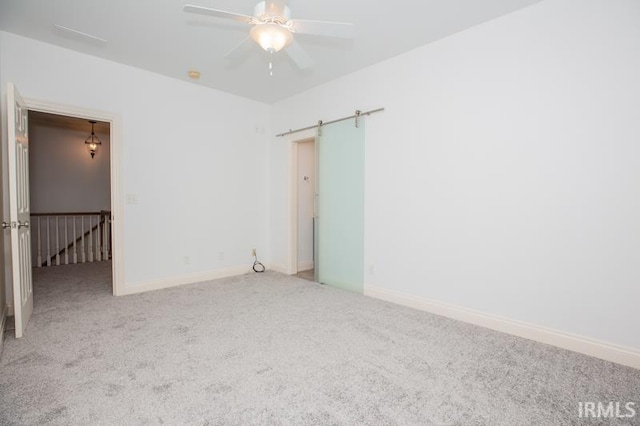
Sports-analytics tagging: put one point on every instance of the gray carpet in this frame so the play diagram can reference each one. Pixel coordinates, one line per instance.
(272, 349)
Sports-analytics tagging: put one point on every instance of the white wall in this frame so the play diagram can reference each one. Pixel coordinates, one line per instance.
(62, 175)
(194, 157)
(306, 195)
(504, 174)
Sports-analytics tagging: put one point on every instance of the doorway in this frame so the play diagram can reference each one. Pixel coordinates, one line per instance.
(69, 191)
(305, 212)
(338, 220)
(114, 123)
(21, 290)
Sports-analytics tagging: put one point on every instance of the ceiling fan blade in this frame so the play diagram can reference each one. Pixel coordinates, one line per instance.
(323, 28)
(240, 51)
(275, 7)
(190, 8)
(299, 55)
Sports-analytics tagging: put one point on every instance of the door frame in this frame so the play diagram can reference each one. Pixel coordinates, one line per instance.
(309, 135)
(115, 155)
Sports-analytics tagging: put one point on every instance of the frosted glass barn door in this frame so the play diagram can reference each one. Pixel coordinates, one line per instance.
(340, 205)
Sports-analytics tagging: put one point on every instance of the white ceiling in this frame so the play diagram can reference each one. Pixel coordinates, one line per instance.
(158, 36)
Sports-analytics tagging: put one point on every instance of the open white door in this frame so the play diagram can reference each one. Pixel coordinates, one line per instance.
(18, 149)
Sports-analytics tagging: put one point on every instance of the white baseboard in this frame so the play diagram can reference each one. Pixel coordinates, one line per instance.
(3, 322)
(278, 268)
(193, 278)
(183, 280)
(603, 350)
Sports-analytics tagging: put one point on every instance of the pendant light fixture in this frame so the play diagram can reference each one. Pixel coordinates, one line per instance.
(92, 142)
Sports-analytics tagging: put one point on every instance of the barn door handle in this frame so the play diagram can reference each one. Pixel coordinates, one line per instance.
(24, 224)
(6, 225)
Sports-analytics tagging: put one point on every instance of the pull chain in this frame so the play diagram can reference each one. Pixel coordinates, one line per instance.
(271, 64)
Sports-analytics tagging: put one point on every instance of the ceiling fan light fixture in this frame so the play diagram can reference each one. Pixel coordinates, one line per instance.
(271, 37)
(272, 28)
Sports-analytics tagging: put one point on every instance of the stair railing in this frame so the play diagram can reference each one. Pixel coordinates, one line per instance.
(68, 238)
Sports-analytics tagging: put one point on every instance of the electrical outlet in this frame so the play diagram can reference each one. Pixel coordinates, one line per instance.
(186, 260)
(132, 199)
(371, 270)
(253, 252)
(221, 256)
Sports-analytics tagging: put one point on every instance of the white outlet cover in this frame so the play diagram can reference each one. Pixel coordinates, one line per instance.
(131, 198)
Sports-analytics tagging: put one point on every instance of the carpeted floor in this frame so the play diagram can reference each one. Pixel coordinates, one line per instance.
(272, 349)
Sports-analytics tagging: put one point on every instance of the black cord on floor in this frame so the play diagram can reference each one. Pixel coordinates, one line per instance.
(257, 266)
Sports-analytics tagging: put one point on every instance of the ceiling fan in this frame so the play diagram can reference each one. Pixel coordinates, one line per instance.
(273, 29)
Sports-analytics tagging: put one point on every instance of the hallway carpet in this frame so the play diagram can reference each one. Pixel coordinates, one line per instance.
(273, 349)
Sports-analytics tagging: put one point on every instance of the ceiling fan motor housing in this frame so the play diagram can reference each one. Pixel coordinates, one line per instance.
(260, 11)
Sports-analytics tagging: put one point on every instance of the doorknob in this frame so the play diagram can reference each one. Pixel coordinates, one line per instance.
(24, 224)
(5, 225)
